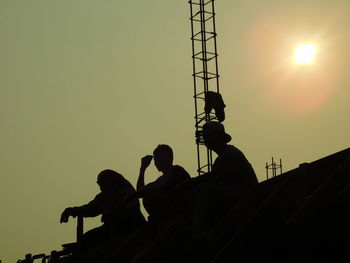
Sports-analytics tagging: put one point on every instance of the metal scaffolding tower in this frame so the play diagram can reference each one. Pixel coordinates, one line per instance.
(205, 71)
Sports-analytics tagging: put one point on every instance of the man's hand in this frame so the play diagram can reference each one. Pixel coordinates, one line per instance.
(146, 161)
(66, 214)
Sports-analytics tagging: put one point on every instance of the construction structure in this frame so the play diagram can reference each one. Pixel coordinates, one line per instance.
(205, 71)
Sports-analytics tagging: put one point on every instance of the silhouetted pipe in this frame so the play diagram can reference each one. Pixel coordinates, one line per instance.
(80, 228)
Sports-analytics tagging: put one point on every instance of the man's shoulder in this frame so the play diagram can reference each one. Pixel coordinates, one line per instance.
(231, 147)
(231, 156)
(180, 171)
(98, 198)
(127, 189)
(232, 150)
(160, 179)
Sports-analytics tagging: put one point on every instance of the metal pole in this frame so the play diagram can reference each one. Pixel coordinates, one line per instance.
(80, 228)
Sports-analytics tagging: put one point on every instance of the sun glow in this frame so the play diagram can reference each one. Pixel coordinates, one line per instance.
(298, 72)
(305, 54)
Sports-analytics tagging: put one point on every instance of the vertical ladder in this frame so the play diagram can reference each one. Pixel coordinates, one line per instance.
(205, 71)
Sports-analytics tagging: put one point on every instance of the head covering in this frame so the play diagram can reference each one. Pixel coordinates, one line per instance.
(112, 177)
(216, 128)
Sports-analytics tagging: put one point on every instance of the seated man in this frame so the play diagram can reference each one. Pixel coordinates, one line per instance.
(230, 177)
(231, 167)
(158, 196)
(120, 217)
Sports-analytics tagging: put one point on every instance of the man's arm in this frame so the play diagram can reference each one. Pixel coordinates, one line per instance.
(151, 188)
(193, 182)
(145, 162)
(93, 208)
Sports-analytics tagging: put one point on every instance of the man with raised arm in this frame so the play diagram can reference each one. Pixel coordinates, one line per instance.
(159, 196)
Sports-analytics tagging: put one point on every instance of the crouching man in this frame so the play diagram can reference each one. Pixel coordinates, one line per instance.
(121, 216)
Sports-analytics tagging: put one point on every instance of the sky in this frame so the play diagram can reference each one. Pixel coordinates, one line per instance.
(89, 85)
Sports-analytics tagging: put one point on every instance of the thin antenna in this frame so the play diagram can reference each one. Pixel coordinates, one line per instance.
(273, 167)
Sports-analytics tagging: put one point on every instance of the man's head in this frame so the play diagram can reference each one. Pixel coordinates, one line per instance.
(163, 157)
(109, 180)
(214, 135)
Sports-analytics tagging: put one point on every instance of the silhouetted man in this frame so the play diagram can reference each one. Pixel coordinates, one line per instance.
(120, 217)
(158, 196)
(231, 176)
(231, 167)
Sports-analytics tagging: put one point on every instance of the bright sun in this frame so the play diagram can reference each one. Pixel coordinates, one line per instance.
(305, 53)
